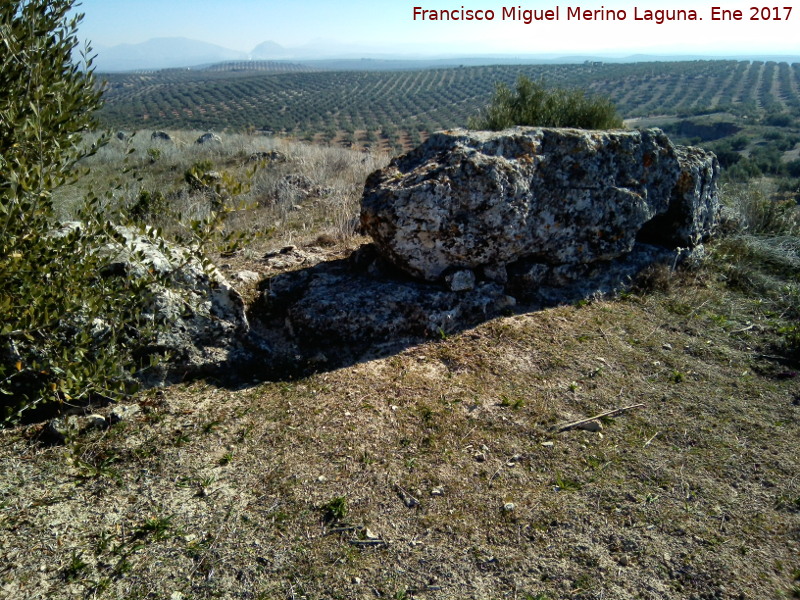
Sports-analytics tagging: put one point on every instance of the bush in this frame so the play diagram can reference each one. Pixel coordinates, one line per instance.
(62, 337)
(761, 210)
(531, 103)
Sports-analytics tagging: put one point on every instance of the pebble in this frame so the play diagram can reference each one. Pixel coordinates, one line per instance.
(437, 491)
(509, 507)
(96, 421)
(667, 346)
(123, 412)
(248, 276)
(591, 426)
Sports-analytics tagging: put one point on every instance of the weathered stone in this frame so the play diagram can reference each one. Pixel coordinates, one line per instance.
(460, 281)
(202, 323)
(271, 156)
(160, 136)
(347, 308)
(208, 138)
(484, 200)
(123, 412)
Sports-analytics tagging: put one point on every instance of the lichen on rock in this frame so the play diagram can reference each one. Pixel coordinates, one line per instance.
(483, 200)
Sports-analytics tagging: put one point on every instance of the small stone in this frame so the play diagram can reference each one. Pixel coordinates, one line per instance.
(123, 412)
(208, 138)
(437, 491)
(370, 535)
(59, 430)
(509, 507)
(667, 346)
(460, 281)
(547, 444)
(623, 561)
(479, 456)
(96, 421)
(356, 580)
(248, 276)
(591, 426)
(322, 479)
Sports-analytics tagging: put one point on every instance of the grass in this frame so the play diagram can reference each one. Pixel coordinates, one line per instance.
(243, 493)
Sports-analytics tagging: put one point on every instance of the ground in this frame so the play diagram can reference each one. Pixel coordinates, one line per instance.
(439, 472)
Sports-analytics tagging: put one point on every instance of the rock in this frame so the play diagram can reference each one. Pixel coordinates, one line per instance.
(205, 317)
(271, 156)
(96, 421)
(346, 308)
(556, 198)
(123, 412)
(594, 426)
(209, 138)
(460, 281)
(509, 507)
(160, 136)
(60, 429)
(202, 320)
(122, 136)
(248, 276)
(291, 256)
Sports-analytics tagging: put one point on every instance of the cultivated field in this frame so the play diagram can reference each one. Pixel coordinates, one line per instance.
(359, 106)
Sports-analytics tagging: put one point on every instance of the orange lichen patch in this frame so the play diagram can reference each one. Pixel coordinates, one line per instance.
(647, 160)
(685, 183)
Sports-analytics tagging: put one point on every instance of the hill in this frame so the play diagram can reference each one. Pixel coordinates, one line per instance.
(747, 112)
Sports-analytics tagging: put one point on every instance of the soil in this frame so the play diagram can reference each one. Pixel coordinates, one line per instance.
(439, 471)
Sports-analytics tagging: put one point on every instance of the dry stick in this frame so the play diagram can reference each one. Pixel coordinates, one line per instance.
(608, 413)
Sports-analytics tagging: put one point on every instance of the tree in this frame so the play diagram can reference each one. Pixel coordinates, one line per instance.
(531, 103)
(60, 320)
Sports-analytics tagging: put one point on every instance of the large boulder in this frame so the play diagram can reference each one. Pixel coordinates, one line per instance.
(203, 326)
(481, 200)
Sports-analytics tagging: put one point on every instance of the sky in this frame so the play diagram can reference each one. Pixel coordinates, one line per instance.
(389, 24)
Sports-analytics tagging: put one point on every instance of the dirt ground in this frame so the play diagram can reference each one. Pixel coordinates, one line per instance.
(439, 471)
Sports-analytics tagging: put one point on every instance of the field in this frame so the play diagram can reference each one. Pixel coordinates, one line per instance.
(394, 110)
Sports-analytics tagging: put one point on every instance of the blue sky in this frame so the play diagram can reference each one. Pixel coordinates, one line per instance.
(242, 24)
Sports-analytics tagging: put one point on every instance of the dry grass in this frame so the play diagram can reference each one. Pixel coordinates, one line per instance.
(309, 190)
(455, 484)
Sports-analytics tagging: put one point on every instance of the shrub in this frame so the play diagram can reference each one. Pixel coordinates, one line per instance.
(63, 322)
(760, 209)
(531, 103)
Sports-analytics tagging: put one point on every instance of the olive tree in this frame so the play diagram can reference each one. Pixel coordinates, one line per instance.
(532, 103)
(62, 324)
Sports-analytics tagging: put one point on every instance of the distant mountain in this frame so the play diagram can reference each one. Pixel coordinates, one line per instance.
(166, 53)
(163, 53)
(269, 51)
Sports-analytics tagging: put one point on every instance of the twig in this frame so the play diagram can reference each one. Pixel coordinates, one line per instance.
(364, 543)
(748, 328)
(647, 443)
(608, 413)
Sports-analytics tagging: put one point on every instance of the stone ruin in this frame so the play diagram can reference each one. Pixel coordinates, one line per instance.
(467, 226)
(470, 224)
(554, 199)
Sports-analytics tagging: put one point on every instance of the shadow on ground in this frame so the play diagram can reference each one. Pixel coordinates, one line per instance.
(341, 312)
